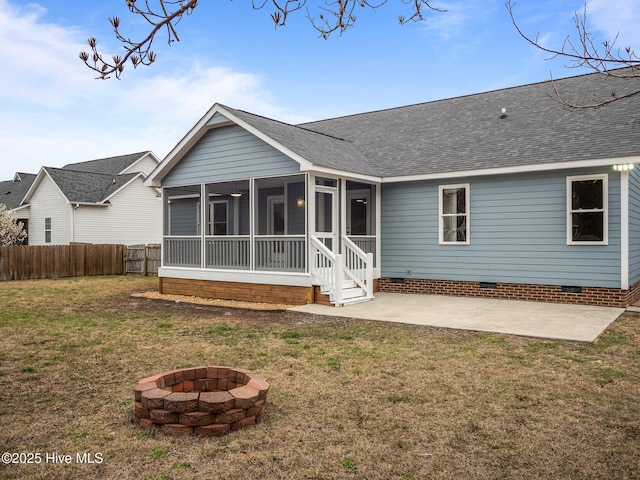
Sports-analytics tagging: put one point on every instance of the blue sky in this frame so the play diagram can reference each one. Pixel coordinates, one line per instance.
(53, 111)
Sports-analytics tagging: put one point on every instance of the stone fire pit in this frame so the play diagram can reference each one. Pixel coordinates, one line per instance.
(203, 401)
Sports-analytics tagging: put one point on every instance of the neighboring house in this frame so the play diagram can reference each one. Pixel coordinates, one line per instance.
(504, 194)
(11, 194)
(99, 201)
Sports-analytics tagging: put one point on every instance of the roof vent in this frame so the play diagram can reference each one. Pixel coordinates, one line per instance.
(503, 113)
(114, 181)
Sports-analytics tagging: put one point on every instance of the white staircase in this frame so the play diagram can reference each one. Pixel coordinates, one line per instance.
(345, 278)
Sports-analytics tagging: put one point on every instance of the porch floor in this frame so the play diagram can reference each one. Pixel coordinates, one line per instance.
(582, 323)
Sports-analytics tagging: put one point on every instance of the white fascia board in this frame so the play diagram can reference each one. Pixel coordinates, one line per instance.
(36, 183)
(304, 163)
(197, 132)
(183, 146)
(332, 172)
(142, 157)
(88, 204)
(21, 207)
(542, 167)
(140, 174)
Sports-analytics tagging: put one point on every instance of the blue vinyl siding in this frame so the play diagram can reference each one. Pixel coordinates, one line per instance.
(518, 233)
(229, 153)
(183, 216)
(634, 226)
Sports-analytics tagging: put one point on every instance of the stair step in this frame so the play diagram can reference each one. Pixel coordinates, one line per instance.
(352, 293)
(352, 301)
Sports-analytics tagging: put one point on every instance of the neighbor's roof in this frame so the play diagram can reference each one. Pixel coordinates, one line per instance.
(84, 187)
(93, 181)
(13, 191)
(109, 166)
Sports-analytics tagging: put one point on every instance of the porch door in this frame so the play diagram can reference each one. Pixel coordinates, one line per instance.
(327, 216)
(276, 226)
(358, 202)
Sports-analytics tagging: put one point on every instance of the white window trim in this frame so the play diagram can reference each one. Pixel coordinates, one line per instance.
(605, 209)
(467, 214)
(48, 229)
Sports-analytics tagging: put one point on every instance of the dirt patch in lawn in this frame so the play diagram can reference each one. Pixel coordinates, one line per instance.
(154, 295)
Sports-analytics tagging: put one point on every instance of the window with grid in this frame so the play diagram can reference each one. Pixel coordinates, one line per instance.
(587, 212)
(47, 230)
(454, 214)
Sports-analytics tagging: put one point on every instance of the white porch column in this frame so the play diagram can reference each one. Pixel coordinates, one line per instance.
(378, 195)
(342, 211)
(310, 208)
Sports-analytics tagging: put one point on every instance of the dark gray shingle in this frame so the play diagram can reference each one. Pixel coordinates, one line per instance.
(109, 166)
(85, 187)
(468, 133)
(13, 191)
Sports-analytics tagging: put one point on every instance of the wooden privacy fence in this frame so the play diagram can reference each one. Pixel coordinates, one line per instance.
(143, 259)
(29, 262)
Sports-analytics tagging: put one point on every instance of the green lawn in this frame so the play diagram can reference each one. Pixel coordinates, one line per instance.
(348, 398)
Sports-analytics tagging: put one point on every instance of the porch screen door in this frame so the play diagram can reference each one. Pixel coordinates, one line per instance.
(326, 216)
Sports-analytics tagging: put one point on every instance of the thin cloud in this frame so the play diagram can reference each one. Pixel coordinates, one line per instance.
(457, 17)
(53, 111)
(619, 19)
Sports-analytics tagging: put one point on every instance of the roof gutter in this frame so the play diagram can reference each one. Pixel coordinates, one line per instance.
(541, 167)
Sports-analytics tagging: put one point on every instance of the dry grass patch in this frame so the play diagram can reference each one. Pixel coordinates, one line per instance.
(348, 398)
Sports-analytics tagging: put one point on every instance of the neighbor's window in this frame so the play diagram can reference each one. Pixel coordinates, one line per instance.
(47, 230)
(454, 214)
(587, 213)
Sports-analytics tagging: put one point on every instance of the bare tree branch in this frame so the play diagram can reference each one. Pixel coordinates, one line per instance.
(608, 60)
(334, 16)
(140, 52)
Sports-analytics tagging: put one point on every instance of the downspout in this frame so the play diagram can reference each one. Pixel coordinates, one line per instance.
(624, 230)
(73, 222)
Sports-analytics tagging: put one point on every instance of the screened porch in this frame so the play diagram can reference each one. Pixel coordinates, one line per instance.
(262, 224)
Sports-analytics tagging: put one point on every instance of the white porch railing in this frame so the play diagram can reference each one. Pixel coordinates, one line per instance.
(281, 253)
(332, 270)
(326, 266)
(366, 243)
(182, 251)
(232, 252)
(358, 266)
(271, 253)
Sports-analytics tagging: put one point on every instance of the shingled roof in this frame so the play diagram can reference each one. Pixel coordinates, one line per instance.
(85, 187)
(109, 166)
(93, 181)
(468, 135)
(13, 191)
(471, 133)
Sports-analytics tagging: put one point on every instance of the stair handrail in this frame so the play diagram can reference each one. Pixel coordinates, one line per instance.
(327, 267)
(358, 265)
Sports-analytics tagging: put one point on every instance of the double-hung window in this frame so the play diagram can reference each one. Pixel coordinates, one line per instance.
(47, 230)
(587, 210)
(454, 214)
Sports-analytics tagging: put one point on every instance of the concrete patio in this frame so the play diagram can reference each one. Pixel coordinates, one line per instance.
(582, 323)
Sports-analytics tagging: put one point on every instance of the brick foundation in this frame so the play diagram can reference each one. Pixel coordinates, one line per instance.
(202, 401)
(610, 297)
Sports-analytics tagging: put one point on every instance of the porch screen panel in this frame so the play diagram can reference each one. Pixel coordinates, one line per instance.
(280, 224)
(228, 242)
(183, 223)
